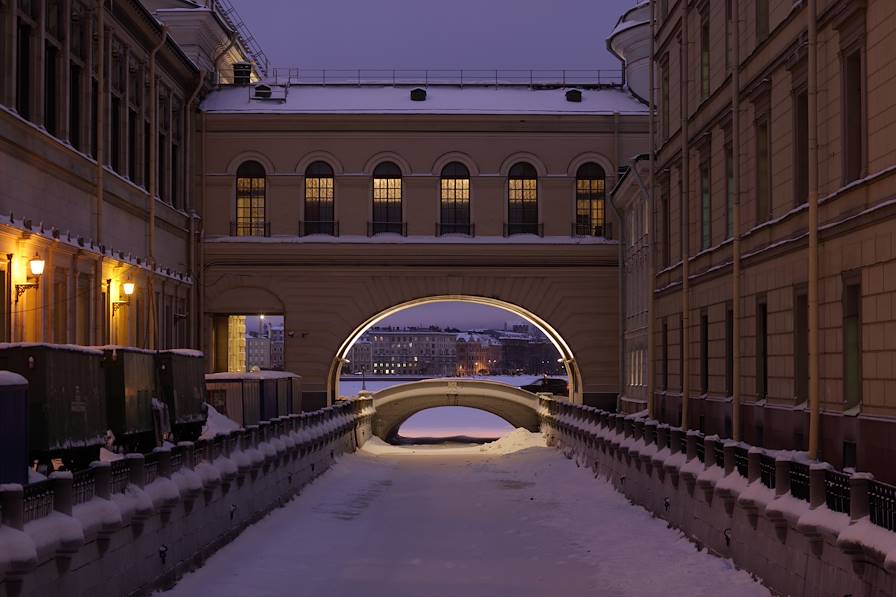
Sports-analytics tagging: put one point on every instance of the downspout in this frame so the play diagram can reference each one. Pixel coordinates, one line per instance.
(651, 275)
(193, 216)
(685, 176)
(621, 274)
(151, 187)
(735, 248)
(100, 317)
(812, 92)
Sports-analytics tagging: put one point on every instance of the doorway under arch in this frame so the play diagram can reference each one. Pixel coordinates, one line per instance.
(566, 355)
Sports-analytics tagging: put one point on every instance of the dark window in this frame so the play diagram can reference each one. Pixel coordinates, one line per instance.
(762, 25)
(801, 147)
(853, 117)
(852, 344)
(175, 175)
(682, 352)
(75, 87)
(590, 194)
(161, 168)
(704, 54)
(729, 351)
(801, 347)
(132, 145)
(51, 91)
(319, 199)
(705, 206)
(667, 225)
(763, 172)
(729, 191)
(387, 207)
(761, 350)
(454, 199)
(704, 353)
(664, 97)
(23, 70)
(729, 16)
(115, 135)
(94, 115)
(250, 200)
(664, 379)
(522, 198)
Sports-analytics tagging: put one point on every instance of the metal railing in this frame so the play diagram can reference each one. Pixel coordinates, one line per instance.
(799, 480)
(767, 471)
(244, 35)
(250, 229)
(326, 227)
(38, 500)
(511, 228)
(556, 77)
(742, 461)
(121, 475)
(83, 486)
(701, 451)
(836, 491)
(387, 227)
(467, 228)
(150, 468)
(882, 504)
(604, 230)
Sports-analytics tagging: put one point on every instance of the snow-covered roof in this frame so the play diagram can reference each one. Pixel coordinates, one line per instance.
(440, 99)
(264, 374)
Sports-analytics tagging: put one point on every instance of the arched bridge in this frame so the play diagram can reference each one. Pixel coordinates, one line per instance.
(396, 404)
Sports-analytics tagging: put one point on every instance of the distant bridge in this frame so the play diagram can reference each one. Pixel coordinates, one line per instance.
(397, 404)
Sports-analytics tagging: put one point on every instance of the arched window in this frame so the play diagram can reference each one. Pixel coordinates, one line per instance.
(319, 209)
(591, 183)
(454, 200)
(387, 199)
(522, 200)
(250, 199)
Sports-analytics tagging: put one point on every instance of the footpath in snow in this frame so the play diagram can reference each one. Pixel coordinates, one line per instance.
(511, 518)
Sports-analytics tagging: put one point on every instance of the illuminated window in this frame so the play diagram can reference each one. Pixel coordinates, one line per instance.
(250, 200)
(454, 202)
(522, 197)
(387, 199)
(590, 194)
(319, 195)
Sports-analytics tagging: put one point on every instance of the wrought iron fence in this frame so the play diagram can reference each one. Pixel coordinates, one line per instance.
(882, 504)
(836, 491)
(799, 480)
(767, 470)
(83, 486)
(38, 500)
(150, 468)
(742, 461)
(121, 475)
(535, 78)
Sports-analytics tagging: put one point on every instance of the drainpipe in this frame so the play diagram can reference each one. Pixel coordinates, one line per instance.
(152, 185)
(99, 305)
(812, 83)
(194, 217)
(735, 248)
(685, 175)
(621, 274)
(651, 274)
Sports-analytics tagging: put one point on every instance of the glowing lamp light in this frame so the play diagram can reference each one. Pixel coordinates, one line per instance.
(261, 316)
(128, 288)
(36, 265)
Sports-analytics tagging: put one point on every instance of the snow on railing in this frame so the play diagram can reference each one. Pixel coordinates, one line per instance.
(878, 502)
(448, 76)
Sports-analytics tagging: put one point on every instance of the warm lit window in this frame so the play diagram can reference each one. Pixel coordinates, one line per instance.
(454, 199)
(522, 200)
(250, 201)
(590, 194)
(387, 209)
(319, 200)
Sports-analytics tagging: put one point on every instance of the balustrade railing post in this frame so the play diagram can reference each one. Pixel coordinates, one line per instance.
(692, 445)
(102, 479)
(188, 459)
(729, 452)
(754, 457)
(817, 492)
(164, 461)
(12, 506)
(782, 476)
(136, 469)
(709, 450)
(63, 482)
(675, 440)
(858, 495)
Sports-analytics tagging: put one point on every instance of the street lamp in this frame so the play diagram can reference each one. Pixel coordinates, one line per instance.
(36, 270)
(128, 289)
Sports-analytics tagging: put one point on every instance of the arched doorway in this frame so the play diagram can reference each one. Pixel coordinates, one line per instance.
(566, 354)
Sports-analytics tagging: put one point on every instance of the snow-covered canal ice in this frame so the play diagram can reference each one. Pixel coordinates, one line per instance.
(510, 518)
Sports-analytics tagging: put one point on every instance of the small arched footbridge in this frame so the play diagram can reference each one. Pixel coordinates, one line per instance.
(396, 404)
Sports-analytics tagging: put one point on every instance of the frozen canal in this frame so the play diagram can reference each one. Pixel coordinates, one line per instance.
(512, 518)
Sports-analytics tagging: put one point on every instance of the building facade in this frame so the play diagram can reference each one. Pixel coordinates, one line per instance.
(773, 183)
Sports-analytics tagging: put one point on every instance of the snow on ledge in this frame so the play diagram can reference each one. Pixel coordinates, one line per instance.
(397, 239)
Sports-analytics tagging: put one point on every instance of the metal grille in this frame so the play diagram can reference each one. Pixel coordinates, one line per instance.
(585, 78)
(742, 462)
(836, 491)
(701, 450)
(83, 488)
(767, 471)
(799, 481)
(177, 460)
(683, 444)
(200, 452)
(882, 504)
(38, 500)
(719, 452)
(150, 468)
(121, 476)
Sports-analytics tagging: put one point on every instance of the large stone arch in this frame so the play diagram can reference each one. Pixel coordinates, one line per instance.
(566, 354)
(397, 404)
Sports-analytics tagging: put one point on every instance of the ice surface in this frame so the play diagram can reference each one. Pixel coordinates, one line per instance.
(514, 518)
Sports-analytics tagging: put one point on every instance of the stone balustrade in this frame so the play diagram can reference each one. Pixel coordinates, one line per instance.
(139, 523)
(800, 526)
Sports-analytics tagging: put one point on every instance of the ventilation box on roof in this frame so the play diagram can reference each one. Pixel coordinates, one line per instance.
(574, 95)
(242, 73)
(418, 95)
(267, 92)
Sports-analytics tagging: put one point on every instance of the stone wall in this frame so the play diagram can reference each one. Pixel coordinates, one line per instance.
(800, 527)
(138, 524)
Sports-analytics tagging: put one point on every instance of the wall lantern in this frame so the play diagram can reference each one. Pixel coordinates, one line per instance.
(128, 289)
(36, 270)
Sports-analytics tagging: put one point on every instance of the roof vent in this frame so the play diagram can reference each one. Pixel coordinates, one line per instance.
(242, 73)
(418, 95)
(262, 92)
(574, 95)
(265, 92)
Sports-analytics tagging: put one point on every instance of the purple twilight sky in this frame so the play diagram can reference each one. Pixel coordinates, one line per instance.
(429, 34)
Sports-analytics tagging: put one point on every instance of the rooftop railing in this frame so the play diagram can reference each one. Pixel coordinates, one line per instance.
(558, 77)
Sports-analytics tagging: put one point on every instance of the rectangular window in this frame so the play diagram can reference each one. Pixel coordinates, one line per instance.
(729, 191)
(729, 350)
(74, 106)
(763, 172)
(24, 62)
(761, 350)
(175, 175)
(51, 92)
(704, 352)
(664, 348)
(132, 145)
(664, 97)
(853, 117)
(705, 206)
(161, 170)
(94, 116)
(704, 54)
(729, 16)
(115, 135)
(667, 225)
(852, 344)
(801, 346)
(762, 24)
(801, 147)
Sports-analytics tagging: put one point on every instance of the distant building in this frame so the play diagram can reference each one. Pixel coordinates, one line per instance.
(258, 352)
(360, 357)
(276, 336)
(477, 354)
(413, 351)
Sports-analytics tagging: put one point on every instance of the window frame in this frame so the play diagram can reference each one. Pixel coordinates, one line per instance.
(523, 209)
(591, 202)
(386, 194)
(454, 199)
(319, 196)
(256, 195)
